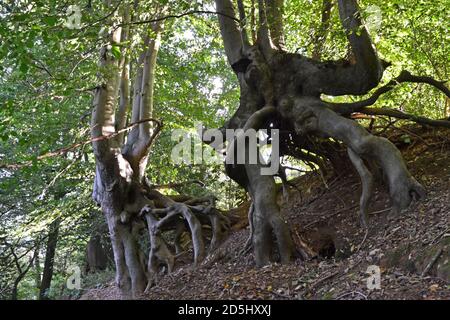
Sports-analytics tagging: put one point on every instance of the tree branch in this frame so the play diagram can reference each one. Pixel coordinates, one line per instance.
(253, 21)
(124, 86)
(110, 14)
(406, 116)
(230, 31)
(41, 66)
(137, 95)
(105, 97)
(405, 76)
(351, 77)
(62, 151)
(274, 9)
(148, 81)
(264, 41)
(188, 13)
(242, 24)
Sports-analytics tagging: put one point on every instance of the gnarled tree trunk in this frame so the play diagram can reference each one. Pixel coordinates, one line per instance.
(121, 189)
(282, 90)
(120, 165)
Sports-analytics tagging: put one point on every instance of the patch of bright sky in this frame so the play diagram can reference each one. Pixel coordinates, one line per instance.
(5, 174)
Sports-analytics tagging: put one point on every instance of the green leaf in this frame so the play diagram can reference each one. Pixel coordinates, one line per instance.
(115, 50)
(51, 21)
(24, 67)
(406, 138)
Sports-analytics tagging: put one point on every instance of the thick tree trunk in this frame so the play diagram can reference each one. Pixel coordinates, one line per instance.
(119, 199)
(267, 221)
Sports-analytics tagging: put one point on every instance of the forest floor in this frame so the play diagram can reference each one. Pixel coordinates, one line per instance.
(412, 250)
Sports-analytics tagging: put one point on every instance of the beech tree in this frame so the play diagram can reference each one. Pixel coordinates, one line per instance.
(284, 90)
(120, 185)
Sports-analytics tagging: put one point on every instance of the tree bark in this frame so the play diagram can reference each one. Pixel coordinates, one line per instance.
(229, 30)
(37, 270)
(47, 273)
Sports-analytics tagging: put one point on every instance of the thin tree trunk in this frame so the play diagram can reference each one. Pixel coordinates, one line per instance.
(275, 10)
(37, 270)
(47, 273)
(323, 29)
(124, 87)
(14, 291)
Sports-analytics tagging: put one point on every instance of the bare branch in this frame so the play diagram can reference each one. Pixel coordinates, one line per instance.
(188, 13)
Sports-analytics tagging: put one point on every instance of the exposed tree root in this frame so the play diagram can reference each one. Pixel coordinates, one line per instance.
(366, 183)
(194, 213)
(313, 116)
(248, 243)
(159, 251)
